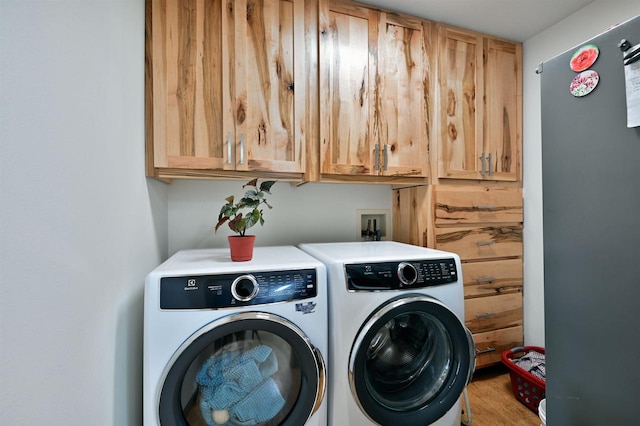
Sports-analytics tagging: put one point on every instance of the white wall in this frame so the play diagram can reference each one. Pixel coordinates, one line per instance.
(80, 225)
(588, 22)
(314, 212)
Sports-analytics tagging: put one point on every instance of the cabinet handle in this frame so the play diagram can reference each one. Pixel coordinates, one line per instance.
(486, 207)
(485, 279)
(386, 157)
(229, 148)
(485, 243)
(485, 315)
(490, 164)
(484, 351)
(377, 158)
(242, 148)
(482, 159)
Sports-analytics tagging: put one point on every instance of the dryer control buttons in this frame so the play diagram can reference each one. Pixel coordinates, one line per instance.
(398, 275)
(407, 273)
(244, 288)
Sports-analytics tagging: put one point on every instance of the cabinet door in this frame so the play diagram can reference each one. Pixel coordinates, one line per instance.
(348, 55)
(189, 57)
(503, 94)
(461, 107)
(269, 105)
(480, 84)
(401, 116)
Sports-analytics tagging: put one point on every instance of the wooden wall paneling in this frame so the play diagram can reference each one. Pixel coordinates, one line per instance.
(411, 215)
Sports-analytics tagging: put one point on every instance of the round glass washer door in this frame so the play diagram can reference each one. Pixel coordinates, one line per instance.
(410, 361)
(251, 368)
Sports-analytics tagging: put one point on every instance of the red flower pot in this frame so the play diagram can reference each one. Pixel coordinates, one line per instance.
(241, 247)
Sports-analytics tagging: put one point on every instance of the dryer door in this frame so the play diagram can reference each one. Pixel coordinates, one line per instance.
(410, 361)
(252, 368)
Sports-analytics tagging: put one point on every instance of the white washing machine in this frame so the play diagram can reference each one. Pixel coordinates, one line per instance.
(236, 343)
(400, 353)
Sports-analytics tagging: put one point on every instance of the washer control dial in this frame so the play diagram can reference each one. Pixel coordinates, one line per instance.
(244, 288)
(407, 273)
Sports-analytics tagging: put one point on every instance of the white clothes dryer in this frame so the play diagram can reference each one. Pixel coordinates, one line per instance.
(235, 343)
(400, 352)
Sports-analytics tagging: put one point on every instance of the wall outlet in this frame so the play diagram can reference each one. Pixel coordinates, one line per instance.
(369, 222)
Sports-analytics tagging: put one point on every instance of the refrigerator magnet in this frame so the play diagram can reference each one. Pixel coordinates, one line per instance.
(584, 83)
(584, 57)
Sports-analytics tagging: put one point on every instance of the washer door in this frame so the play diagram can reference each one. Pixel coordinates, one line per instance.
(252, 368)
(410, 361)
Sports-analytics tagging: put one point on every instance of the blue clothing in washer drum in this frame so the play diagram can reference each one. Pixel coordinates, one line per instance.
(239, 385)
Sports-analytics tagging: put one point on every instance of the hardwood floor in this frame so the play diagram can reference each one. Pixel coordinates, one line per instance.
(493, 403)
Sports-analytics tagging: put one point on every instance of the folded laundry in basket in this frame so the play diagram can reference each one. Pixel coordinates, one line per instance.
(237, 387)
(532, 362)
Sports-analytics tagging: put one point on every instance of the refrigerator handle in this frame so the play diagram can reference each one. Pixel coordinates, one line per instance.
(482, 160)
(490, 164)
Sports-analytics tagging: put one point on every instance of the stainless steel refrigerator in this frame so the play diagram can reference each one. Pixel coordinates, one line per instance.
(591, 196)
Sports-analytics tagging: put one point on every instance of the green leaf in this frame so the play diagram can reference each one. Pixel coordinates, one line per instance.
(266, 186)
(238, 224)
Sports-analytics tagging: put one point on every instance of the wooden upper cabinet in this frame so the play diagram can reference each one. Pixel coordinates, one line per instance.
(222, 86)
(401, 115)
(480, 90)
(269, 106)
(373, 112)
(347, 87)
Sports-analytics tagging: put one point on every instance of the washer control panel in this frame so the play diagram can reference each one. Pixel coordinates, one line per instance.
(400, 275)
(231, 290)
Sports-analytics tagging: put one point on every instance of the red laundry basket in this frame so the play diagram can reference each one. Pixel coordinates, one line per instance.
(527, 388)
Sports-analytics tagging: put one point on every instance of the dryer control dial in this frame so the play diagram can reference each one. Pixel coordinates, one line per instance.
(407, 273)
(244, 288)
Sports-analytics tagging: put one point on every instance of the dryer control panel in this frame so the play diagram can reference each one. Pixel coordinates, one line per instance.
(398, 275)
(232, 290)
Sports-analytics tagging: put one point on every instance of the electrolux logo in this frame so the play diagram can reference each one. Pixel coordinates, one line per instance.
(306, 308)
(191, 284)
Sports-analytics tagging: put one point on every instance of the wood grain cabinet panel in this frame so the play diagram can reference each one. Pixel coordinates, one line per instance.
(225, 86)
(374, 116)
(489, 278)
(456, 205)
(493, 312)
(485, 241)
(491, 344)
(480, 85)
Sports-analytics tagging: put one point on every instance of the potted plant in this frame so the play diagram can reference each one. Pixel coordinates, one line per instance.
(242, 215)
